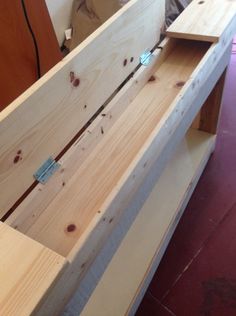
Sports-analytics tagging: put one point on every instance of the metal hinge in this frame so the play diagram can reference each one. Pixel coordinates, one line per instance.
(146, 58)
(49, 167)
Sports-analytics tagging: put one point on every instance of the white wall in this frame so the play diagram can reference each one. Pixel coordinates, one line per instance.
(60, 12)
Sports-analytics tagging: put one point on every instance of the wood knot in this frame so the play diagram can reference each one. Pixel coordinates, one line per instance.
(145, 164)
(180, 84)
(18, 157)
(75, 81)
(83, 265)
(152, 78)
(71, 228)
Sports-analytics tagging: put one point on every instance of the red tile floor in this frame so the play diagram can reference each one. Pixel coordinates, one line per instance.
(197, 276)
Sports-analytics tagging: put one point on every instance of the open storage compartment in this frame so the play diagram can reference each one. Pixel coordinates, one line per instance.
(116, 148)
(115, 129)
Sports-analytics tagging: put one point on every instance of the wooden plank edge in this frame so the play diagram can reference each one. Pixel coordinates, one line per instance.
(193, 37)
(107, 279)
(178, 28)
(28, 271)
(171, 229)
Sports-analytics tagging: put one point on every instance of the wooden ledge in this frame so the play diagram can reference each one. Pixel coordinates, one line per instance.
(204, 20)
(28, 271)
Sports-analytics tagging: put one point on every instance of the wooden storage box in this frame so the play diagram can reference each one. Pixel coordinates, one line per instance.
(106, 126)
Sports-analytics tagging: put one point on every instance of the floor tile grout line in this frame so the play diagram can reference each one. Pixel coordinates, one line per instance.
(196, 254)
(162, 305)
(182, 273)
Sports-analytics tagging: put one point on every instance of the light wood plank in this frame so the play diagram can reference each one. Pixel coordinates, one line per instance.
(23, 217)
(130, 266)
(28, 270)
(71, 206)
(47, 116)
(169, 123)
(157, 148)
(83, 197)
(204, 20)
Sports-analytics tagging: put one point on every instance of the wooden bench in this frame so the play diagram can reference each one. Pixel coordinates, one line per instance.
(121, 116)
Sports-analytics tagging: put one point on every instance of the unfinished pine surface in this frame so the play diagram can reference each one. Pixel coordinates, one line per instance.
(204, 20)
(80, 218)
(43, 194)
(27, 271)
(152, 229)
(23, 217)
(42, 121)
(173, 123)
(158, 148)
(83, 191)
(65, 220)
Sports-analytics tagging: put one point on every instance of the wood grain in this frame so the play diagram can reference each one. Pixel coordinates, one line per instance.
(79, 220)
(124, 277)
(157, 148)
(84, 195)
(30, 209)
(27, 271)
(204, 20)
(42, 121)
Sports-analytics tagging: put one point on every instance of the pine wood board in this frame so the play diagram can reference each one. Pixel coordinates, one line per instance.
(42, 121)
(124, 277)
(51, 226)
(83, 197)
(27, 271)
(23, 217)
(157, 149)
(170, 121)
(166, 135)
(204, 20)
(51, 230)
